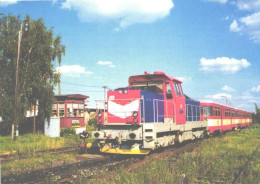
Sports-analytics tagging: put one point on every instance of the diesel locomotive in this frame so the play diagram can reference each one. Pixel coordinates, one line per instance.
(154, 112)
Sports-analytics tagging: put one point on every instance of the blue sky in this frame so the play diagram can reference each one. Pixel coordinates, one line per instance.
(213, 46)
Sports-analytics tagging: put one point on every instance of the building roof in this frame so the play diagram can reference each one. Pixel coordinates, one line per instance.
(71, 96)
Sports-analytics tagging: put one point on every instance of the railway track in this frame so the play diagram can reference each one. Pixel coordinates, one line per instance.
(11, 157)
(46, 174)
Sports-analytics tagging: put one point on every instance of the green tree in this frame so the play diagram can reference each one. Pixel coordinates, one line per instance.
(256, 115)
(37, 77)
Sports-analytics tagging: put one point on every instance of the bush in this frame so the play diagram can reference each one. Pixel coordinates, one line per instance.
(92, 122)
(67, 132)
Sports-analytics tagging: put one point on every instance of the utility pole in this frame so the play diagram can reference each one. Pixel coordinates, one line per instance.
(227, 100)
(14, 125)
(59, 87)
(105, 87)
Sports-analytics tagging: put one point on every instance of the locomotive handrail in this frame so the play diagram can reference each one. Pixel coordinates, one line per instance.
(156, 111)
(197, 115)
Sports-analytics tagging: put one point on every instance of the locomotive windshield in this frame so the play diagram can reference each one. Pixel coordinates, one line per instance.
(153, 86)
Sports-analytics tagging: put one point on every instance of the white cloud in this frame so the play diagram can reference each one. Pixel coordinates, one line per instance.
(247, 4)
(126, 12)
(73, 70)
(217, 1)
(7, 2)
(249, 24)
(183, 78)
(234, 27)
(107, 63)
(256, 88)
(227, 88)
(223, 64)
(246, 106)
(219, 96)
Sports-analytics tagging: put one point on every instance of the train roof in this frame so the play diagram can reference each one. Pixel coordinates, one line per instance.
(206, 103)
(156, 76)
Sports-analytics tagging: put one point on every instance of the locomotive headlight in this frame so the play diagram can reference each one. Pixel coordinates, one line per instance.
(120, 91)
(135, 120)
(132, 135)
(100, 114)
(96, 134)
(125, 91)
(135, 114)
(99, 121)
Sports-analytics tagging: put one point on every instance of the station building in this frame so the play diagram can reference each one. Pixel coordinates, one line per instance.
(70, 109)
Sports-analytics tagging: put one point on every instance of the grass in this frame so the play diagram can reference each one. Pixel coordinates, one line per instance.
(30, 143)
(231, 158)
(18, 167)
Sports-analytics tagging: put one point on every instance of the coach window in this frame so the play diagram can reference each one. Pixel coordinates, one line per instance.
(207, 110)
(216, 111)
(168, 91)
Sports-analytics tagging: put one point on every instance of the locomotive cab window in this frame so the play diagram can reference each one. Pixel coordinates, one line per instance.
(152, 86)
(181, 89)
(168, 91)
(177, 91)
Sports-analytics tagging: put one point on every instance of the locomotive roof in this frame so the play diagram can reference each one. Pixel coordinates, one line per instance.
(156, 76)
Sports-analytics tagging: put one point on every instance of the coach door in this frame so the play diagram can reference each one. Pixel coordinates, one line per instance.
(221, 117)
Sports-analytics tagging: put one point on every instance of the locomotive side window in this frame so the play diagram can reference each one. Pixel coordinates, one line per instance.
(168, 91)
(177, 92)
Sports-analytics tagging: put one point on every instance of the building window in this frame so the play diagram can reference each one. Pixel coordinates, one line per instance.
(61, 110)
(54, 110)
(69, 110)
(75, 110)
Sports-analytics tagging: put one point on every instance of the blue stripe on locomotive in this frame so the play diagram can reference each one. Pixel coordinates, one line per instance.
(149, 104)
(192, 110)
